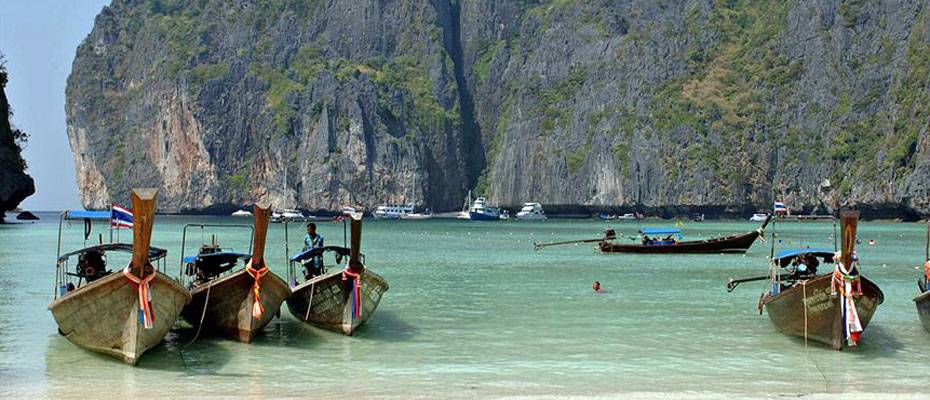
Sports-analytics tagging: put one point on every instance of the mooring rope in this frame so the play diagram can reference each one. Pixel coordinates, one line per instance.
(310, 302)
(826, 384)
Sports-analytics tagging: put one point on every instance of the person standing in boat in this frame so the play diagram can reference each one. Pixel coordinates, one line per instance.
(314, 265)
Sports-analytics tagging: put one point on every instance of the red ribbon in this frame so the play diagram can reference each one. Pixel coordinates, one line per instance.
(257, 308)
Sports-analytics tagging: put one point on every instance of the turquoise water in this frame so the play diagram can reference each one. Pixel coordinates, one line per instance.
(473, 311)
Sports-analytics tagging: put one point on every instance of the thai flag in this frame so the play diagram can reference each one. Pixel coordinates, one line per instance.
(348, 210)
(120, 217)
(780, 208)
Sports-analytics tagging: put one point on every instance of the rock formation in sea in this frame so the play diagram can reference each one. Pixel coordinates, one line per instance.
(319, 103)
(15, 184)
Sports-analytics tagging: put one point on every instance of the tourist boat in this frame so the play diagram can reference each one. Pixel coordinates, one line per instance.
(668, 240)
(606, 217)
(922, 300)
(697, 217)
(289, 215)
(808, 308)
(531, 212)
(342, 299)
(758, 217)
(390, 211)
(829, 307)
(99, 309)
(236, 303)
(417, 216)
(242, 213)
(628, 217)
(481, 211)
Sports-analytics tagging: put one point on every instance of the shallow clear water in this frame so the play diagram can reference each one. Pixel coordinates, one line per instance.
(473, 311)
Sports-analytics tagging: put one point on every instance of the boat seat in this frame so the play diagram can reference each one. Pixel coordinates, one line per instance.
(212, 262)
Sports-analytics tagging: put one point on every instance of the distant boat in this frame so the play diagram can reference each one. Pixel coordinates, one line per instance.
(287, 215)
(481, 211)
(242, 213)
(628, 217)
(392, 211)
(758, 217)
(531, 212)
(668, 241)
(606, 216)
(697, 217)
(417, 216)
(464, 213)
(664, 241)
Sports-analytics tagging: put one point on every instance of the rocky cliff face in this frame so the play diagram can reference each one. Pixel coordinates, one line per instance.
(725, 104)
(15, 185)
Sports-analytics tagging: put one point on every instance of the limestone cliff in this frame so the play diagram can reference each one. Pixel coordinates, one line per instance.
(15, 184)
(319, 103)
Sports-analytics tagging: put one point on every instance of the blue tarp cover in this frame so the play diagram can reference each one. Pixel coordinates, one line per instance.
(82, 214)
(659, 231)
(796, 252)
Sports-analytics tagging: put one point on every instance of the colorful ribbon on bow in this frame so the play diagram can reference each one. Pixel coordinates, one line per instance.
(844, 279)
(257, 308)
(356, 295)
(146, 311)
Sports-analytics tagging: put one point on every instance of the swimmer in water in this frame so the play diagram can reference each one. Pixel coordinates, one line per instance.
(597, 287)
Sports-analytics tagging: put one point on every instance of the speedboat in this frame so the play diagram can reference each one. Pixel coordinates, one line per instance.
(392, 211)
(242, 213)
(627, 217)
(287, 215)
(417, 216)
(758, 217)
(481, 211)
(531, 212)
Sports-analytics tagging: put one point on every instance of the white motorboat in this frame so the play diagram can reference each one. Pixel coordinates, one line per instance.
(242, 213)
(531, 212)
(390, 211)
(758, 217)
(481, 211)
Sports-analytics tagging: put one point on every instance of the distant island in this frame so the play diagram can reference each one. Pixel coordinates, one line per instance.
(676, 105)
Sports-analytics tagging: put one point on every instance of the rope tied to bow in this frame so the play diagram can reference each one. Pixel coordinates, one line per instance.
(144, 290)
(257, 308)
(356, 294)
(847, 282)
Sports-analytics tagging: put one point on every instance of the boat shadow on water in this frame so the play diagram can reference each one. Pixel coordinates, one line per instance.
(184, 351)
(287, 331)
(876, 343)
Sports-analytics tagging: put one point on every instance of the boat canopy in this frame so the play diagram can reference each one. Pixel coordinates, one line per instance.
(219, 255)
(341, 251)
(785, 257)
(155, 253)
(659, 231)
(84, 214)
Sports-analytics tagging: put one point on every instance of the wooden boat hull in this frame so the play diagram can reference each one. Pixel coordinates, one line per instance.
(325, 302)
(922, 301)
(102, 316)
(731, 244)
(229, 306)
(824, 315)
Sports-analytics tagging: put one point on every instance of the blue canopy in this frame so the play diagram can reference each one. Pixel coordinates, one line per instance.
(820, 252)
(84, 214)
(659, 231)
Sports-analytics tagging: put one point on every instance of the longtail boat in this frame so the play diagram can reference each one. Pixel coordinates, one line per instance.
(236, 303)
(340, 300)
(831, 308)
(118, 313)
(922, 300)
(667, 241)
